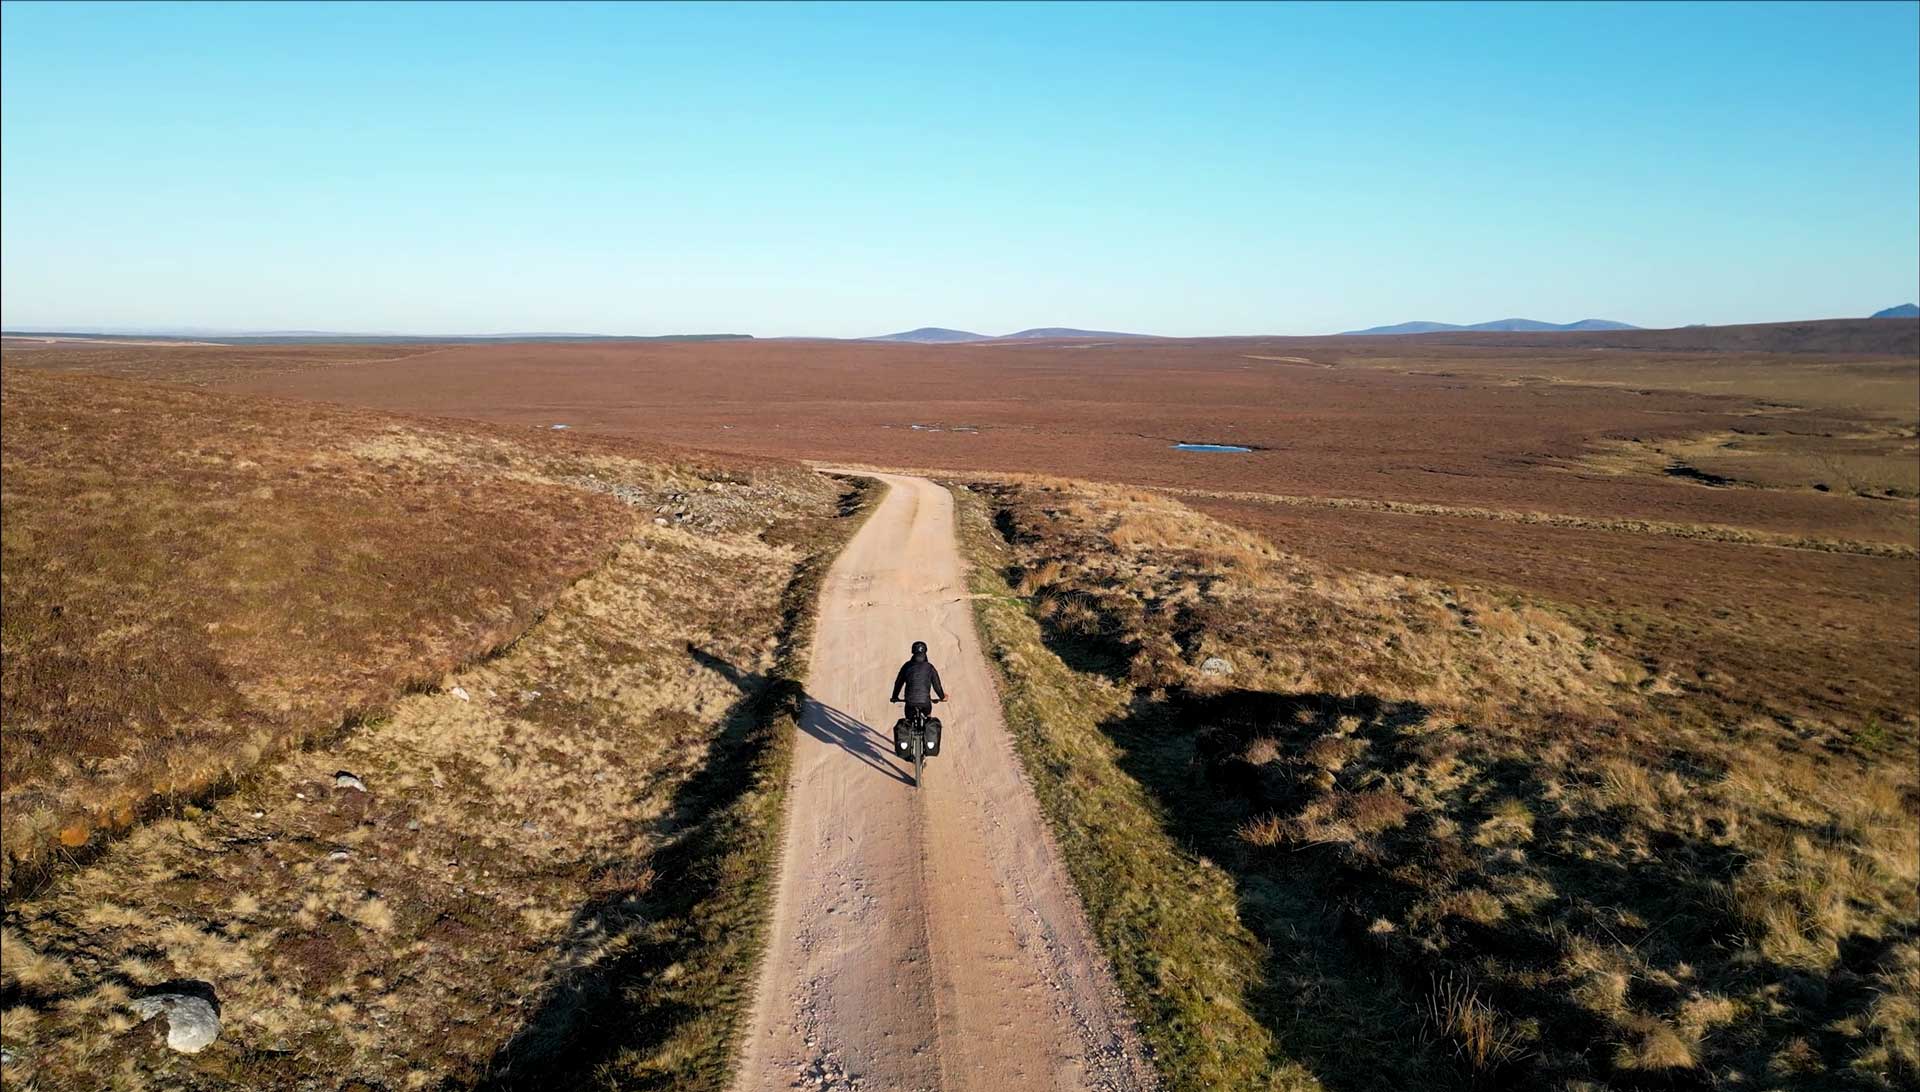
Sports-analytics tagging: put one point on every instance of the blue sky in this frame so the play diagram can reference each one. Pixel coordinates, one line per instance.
(850, 170)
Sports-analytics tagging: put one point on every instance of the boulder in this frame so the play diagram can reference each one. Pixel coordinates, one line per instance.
(192, 1021)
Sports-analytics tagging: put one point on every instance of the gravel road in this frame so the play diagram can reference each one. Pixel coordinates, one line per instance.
(924, 938)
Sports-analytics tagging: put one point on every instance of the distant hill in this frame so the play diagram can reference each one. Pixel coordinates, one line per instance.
(932, 335)
(1905, 310)
(940, 335)
(1874, 337)
(1508, 326)
(1066, 331)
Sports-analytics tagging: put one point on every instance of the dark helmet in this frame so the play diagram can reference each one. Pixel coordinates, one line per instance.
(919, 648)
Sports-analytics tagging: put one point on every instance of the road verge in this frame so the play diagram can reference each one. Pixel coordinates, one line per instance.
(1164, 917)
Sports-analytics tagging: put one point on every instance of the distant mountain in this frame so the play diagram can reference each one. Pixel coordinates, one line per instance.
(1535, 326)
(1066, 331)
(940, 335)
(1408, 328)
(1875, 337)
(1510, 325)
(1905, 310)
(932, 335)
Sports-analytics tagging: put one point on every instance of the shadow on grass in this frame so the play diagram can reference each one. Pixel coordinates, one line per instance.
(1094, 653)
(1350, 1021)
(1359, 938)
(684, 919)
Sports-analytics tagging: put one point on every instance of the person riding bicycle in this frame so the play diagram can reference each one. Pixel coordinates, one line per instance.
(920, 682)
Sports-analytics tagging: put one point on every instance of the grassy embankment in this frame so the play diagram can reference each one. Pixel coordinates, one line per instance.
(564, 847)
(1424, 836)
(664, 1011)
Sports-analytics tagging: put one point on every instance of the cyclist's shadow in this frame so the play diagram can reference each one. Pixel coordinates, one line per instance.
(829, 725)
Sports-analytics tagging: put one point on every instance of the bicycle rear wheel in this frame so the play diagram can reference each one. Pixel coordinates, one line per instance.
(919, 756)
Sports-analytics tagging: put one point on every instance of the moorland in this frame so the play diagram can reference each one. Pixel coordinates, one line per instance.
(419, 744)
(1668, 461)
(1543, 704)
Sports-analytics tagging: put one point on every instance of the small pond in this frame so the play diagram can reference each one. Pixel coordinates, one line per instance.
(1210, 447)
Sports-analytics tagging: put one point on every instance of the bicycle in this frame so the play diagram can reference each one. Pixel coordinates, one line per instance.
(917, 736)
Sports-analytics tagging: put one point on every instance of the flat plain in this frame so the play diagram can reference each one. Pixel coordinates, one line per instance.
(1675, 463)
(1566, 737)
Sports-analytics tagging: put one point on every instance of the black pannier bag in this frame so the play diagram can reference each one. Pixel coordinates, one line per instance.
(900, 737)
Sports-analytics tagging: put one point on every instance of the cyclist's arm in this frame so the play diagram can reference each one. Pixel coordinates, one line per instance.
(899, 681)
(939, 692)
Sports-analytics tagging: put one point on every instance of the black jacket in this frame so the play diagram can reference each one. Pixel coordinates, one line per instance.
(918, 678)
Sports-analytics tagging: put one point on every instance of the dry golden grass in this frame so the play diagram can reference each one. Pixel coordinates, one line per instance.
(1876, 462)
(1413, 787)
(567, 830)
(1155, 590)
(1476, 1029)
(1165, 916)
(497, 863)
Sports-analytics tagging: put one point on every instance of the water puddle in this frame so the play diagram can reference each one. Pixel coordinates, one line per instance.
(1695, 474)
(1210, 447)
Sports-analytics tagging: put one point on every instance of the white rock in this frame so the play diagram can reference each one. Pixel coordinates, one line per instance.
(345, 780)
(459, 692)
(1216, 665)
(192, 1024)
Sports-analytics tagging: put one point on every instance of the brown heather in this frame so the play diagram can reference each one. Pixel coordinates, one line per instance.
(195, 583)
(201, 589)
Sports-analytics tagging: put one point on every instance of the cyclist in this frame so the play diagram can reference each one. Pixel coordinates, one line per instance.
(920, 682)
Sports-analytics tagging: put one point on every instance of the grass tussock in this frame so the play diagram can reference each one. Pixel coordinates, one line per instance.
(1476, 1030)
(1449, 818)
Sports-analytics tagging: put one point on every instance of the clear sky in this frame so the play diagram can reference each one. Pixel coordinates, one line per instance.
(852, 170)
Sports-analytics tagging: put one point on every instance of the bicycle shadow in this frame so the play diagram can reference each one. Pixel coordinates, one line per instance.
(820, 720)
(829, 725)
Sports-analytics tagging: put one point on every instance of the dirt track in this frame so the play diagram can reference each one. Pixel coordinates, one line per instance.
(929, 938)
